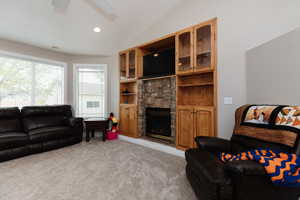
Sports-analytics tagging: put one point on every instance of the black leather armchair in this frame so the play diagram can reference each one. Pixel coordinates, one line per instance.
(212, 179)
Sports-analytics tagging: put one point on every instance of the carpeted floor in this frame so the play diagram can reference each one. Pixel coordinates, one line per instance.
(96, 171)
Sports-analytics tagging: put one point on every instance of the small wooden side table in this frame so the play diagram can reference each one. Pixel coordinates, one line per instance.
(95, 124)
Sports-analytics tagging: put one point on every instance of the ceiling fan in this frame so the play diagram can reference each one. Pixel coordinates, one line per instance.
(101, 6)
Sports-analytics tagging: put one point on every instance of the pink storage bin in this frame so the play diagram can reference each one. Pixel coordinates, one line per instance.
(112, 135)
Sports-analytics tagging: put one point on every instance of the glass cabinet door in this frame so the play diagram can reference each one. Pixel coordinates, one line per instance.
(132, 64)
(204, 47)
(123, 66)
(184, 54)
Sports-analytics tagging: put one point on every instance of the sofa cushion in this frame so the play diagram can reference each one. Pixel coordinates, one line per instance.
(12, 140)
(10, 120)
(49, 133)
(35, 117)
(32, 123)
(61, 110)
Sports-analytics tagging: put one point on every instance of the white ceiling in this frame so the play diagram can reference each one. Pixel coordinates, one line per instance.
(35, 22)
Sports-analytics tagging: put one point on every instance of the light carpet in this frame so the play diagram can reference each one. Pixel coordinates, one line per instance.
(95, 171)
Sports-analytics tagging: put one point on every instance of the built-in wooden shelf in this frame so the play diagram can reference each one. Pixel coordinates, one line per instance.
(127, 104)
(190, 106)
(202, 71)
(201, 53)
(185, 57)
(128, 91)
(196, 84)
(128, 81)
(156, 78)
(128, 94)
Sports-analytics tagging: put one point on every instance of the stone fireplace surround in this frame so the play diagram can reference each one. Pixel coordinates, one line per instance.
(156, 93)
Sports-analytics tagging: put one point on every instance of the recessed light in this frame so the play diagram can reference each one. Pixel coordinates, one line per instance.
(97, 30)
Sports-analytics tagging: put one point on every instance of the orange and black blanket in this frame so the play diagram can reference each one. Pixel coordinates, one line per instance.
(283, 168)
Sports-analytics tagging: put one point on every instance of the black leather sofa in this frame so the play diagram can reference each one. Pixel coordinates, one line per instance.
(37, 129)
(211, 179)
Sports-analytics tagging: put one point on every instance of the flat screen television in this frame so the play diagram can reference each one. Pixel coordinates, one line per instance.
(159, 63)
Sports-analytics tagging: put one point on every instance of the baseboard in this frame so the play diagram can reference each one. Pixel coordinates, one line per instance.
(153, 145)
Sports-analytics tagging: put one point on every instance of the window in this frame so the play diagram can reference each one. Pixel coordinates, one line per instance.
(91, 90)
(92, 104)
(25, 82)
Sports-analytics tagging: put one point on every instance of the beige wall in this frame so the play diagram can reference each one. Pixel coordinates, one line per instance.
(273, 71)
(242, 25)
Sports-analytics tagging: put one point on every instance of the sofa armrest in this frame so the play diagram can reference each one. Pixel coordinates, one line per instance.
(206, 164)
(213, 144)
(75, 122)
(244, 167)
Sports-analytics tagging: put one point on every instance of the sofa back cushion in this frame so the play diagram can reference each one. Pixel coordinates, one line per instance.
(10, 120)
(35, 117)
(264, 135)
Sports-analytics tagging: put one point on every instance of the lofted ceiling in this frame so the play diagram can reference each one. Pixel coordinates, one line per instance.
(35, 22)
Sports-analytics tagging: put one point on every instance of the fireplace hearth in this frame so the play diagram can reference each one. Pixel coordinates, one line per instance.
(158, 123)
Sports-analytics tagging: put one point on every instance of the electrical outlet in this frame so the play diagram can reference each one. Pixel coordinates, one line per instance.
(228, 100)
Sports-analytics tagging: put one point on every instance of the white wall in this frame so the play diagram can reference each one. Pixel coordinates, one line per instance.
(242, 25)
(20, 48)
(28, 50)
(273, 71)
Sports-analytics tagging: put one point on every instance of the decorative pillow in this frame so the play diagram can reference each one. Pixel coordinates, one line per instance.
(261, 115)
(289, 117)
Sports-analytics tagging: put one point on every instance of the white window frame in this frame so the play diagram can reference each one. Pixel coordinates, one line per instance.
(42, 61)
(76, 82)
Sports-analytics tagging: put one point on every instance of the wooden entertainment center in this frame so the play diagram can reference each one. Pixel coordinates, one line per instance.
(196, 83)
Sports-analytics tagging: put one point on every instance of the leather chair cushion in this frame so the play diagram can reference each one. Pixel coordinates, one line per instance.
(245, 167)
(50, 133)
(208, 165)
(12, 140)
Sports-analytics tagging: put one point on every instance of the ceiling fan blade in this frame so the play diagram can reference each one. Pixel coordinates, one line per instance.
(104, 7)
(60, 5)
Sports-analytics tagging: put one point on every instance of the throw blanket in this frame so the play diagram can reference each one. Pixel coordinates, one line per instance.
(283, 168)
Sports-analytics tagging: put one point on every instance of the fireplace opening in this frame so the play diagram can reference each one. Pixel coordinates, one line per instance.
(158, 123)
